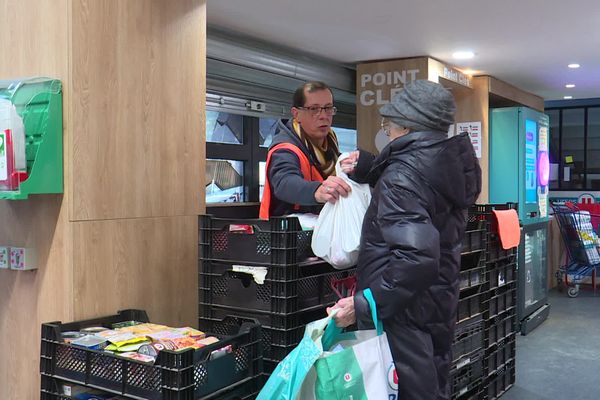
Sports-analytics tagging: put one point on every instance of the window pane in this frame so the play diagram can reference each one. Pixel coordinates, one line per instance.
(572, 169)
(223, 127)
(554, 147)
(593, 149)
(346, 139)
(224, 181)
(267, 128)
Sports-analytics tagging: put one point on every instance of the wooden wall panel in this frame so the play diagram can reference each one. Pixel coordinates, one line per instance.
(33, 42)
(28, 298)
(133, 94)
(473, 105)
(375, 85)
(148, 263)
(138, 69)
(515, 95)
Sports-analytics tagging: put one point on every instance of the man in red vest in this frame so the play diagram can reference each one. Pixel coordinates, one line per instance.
(301, 161)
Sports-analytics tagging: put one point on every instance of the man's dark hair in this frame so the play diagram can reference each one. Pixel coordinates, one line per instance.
(313, 86)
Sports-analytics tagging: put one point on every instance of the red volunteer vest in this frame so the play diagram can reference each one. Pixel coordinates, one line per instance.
(309, 172)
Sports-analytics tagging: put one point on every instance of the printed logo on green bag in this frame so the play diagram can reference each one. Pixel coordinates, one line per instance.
(347, 377)
(392, 377)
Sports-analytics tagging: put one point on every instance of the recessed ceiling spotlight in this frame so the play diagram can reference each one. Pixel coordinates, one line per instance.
(463, 55)
(574, 65)
(568, 97)
(569, 85)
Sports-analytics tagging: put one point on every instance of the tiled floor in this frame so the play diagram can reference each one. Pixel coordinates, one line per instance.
(561, 358)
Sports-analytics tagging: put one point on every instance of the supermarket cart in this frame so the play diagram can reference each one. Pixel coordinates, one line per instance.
(581, 242)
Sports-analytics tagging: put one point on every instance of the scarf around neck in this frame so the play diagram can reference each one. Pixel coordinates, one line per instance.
(326, 154)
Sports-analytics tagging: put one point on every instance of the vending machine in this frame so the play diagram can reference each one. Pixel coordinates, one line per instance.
(519, 172)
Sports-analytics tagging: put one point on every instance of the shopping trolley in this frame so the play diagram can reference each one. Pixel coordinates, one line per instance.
(582, 244)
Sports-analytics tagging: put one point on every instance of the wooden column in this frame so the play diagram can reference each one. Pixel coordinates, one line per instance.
(124, 234)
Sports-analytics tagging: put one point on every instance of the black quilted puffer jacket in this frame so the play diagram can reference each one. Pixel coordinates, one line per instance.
(410, 251)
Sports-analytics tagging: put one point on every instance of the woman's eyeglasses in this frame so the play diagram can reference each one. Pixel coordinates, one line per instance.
(385, 126)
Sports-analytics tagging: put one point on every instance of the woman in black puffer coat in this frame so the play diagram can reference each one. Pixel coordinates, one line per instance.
(423, 183)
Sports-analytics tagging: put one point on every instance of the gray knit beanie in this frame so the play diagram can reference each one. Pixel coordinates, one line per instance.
(421, 106)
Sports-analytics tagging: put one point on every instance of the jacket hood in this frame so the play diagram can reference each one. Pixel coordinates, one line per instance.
(448, 165)
(284, 134)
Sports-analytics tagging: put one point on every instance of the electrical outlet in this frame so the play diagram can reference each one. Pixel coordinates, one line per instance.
(22, 259)
(4, 257)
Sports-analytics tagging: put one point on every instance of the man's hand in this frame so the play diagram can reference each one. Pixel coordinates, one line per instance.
(345, 315)
(331, 190)
(349, 164)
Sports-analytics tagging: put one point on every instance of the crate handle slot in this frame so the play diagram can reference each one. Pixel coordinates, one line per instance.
(343, 286)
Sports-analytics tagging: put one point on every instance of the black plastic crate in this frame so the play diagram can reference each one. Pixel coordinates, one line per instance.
(246, 389)
(473, 240)
(502, 299)
(500, 354)
(467, 376)
(500, 381)
(484, 212)
(186, 374)
(471, 305)
(468, 337)
(280, 333)
(500, 327)
(278, 241)
(227, 285)
(472, 271)
(502, 272)
(494, 250)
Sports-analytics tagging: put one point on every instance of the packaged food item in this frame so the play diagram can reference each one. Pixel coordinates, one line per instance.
(138, 357)
(166, 335)
(148, 350)
(126, 348)
(187, 331)
(92, 330)
(207, 341)
(185, 343)
(143, 329)
(91, 342)
(124, 324)
(69, 336)
(220, 352)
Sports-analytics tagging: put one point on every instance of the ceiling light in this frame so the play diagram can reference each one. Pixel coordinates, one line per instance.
(568, 97)
(573, 65)
(569, 85)
(463, 55)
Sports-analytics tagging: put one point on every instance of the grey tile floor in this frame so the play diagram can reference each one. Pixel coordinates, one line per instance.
(561, 358)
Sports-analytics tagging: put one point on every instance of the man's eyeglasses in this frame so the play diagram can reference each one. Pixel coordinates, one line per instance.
(316, 110)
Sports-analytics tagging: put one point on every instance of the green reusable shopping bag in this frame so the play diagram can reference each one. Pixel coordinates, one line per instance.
(328, 364)
(287, 378)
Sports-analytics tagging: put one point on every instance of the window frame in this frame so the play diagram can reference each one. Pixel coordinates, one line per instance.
(561, 183)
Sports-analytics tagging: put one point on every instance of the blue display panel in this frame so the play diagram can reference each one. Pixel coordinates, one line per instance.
(530, 162)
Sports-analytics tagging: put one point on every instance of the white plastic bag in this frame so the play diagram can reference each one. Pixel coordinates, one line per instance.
(336, 236)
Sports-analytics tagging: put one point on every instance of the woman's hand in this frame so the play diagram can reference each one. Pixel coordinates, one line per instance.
(345, 315)
(349, 164)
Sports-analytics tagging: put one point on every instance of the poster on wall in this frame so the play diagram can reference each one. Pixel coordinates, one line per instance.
(474, 131)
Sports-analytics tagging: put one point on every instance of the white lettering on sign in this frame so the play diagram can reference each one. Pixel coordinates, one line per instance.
(380, 96)
(389, 78)
(457, 77)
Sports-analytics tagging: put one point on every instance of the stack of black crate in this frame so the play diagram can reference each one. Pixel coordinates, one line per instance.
(467, 370)
(501, 314)
(265, 272)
